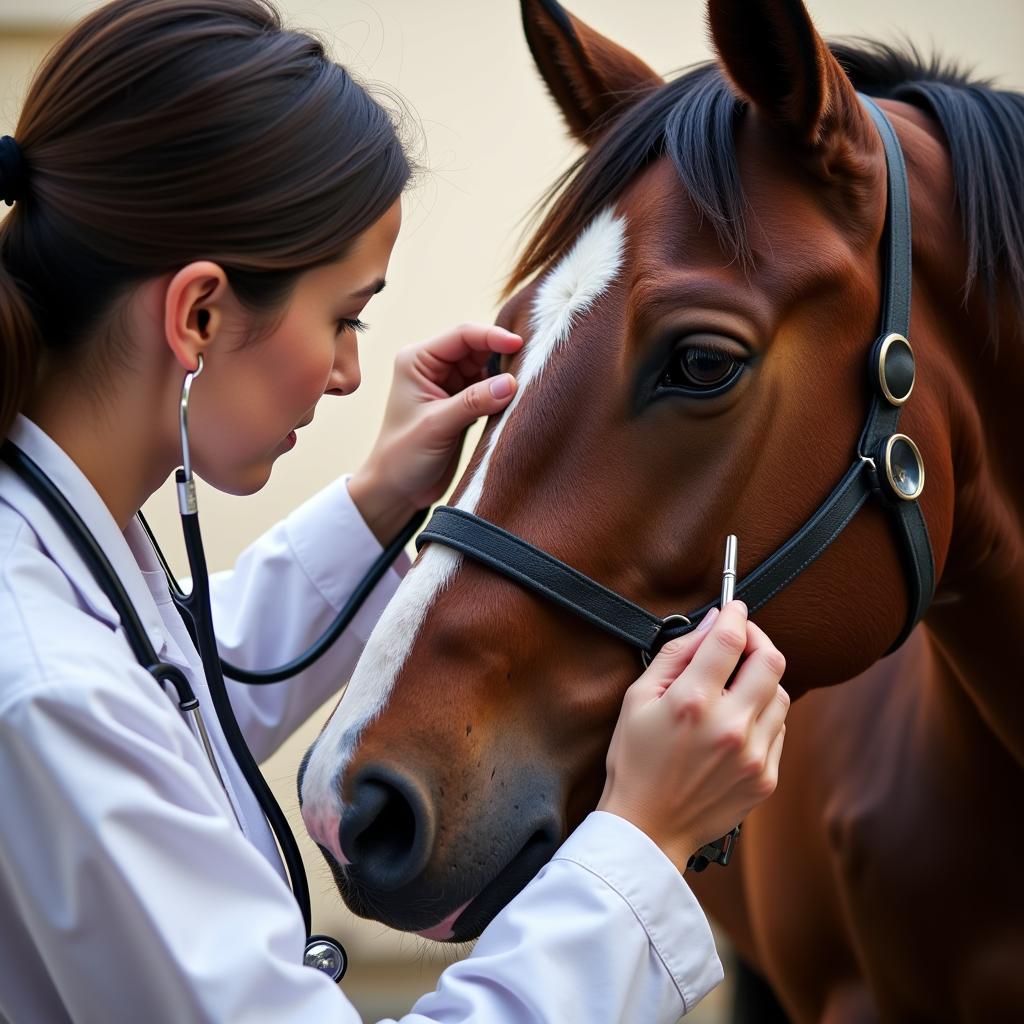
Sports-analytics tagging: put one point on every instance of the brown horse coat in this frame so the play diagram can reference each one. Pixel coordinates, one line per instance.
(882, 880)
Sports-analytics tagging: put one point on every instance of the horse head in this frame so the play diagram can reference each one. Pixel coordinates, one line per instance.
(698, 305)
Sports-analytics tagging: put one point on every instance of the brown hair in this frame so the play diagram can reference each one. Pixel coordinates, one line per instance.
(158, 132)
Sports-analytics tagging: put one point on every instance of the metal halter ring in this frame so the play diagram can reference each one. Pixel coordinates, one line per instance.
(896, 369)
(667, 621)
(904, 467)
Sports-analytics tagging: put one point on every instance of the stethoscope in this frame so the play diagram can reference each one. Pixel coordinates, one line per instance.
(322, 952)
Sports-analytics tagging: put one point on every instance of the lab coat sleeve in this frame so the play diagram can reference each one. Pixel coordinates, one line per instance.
(145, 902)
(129, 879)
(284, 591)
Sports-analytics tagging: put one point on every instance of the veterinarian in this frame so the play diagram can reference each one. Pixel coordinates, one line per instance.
(202, 204)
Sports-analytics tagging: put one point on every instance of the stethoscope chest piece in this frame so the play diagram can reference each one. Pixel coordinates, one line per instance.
(326, 955)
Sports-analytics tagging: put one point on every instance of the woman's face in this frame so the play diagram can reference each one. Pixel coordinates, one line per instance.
(251, 398)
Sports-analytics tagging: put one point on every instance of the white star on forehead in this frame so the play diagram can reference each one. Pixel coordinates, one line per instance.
(566, 292)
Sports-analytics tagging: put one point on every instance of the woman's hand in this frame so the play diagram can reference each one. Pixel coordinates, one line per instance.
(436, 393)
(689, 758)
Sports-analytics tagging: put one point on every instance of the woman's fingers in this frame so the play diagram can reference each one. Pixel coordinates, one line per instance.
(435, 395)
(470, 367)
(475, 341)
(456, 359)
(672, 659)
(686, 767)
(756, 683)
(450, 416)
(771, 768)
(716, 658)
(770, 722)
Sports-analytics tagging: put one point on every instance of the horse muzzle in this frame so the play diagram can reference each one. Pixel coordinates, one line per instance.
(413, 871)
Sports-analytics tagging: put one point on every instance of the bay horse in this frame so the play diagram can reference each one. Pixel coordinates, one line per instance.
(698, 303)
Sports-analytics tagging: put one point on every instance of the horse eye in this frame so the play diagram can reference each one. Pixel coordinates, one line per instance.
(701, 369)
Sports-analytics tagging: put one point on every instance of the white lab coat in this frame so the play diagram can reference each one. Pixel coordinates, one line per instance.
(128, 891)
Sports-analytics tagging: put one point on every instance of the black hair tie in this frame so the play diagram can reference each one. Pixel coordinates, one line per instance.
(13, 171)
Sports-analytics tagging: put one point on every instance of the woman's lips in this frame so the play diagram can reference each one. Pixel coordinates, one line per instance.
(289, 441)
(444, 929)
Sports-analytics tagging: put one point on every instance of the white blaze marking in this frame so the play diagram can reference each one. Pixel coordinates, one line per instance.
(567, 291)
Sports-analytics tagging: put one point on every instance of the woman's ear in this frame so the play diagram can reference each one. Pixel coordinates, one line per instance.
(194, 310)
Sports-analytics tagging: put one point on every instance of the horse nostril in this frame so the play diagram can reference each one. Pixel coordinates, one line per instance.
(386, 829)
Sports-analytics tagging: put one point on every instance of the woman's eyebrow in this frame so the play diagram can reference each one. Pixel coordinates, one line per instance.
(370, 289)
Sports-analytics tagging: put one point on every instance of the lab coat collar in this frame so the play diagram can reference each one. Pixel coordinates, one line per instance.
(75, 486)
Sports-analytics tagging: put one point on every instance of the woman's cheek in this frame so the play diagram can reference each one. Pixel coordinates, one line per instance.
(319, 352)
(294, 384)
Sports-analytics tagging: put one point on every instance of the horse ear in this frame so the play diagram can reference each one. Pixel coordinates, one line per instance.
(775, 57)
(589, 76)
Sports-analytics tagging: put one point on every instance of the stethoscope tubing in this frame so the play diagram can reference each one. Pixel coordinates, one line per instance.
(196, 606)
(196, 611)
(97, 563)
(341, 622)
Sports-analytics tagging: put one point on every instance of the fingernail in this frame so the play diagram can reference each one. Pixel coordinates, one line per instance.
(708, 620)
(501, 387)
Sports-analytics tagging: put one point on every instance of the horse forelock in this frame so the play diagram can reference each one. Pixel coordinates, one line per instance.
(565, 293)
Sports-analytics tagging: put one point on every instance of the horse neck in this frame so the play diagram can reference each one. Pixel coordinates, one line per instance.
(979, 607)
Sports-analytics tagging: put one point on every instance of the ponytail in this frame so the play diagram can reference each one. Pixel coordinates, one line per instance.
(20, 345)
(159, 132)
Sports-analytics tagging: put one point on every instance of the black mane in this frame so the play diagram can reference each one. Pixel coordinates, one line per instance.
(691, 119)
(984, 129)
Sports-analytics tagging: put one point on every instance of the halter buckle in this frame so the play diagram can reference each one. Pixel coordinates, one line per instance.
(717, 852)
(896, 369)
(904, 467)
(665, 622)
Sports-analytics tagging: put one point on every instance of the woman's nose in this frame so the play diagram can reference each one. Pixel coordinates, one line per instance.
(345, 374)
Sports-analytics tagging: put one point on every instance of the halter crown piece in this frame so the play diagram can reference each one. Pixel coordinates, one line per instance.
(13, 171)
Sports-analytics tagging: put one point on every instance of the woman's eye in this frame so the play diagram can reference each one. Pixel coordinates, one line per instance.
(700, 368)
(351, 324)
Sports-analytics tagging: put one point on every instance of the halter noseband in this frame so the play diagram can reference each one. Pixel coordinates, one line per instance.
(887, 464)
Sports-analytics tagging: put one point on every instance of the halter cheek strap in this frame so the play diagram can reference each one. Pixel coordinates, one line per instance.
(887, 465)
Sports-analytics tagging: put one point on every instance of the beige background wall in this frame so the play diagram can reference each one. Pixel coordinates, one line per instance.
(491, 142)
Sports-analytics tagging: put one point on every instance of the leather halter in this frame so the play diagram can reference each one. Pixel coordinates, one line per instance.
(886, 464)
